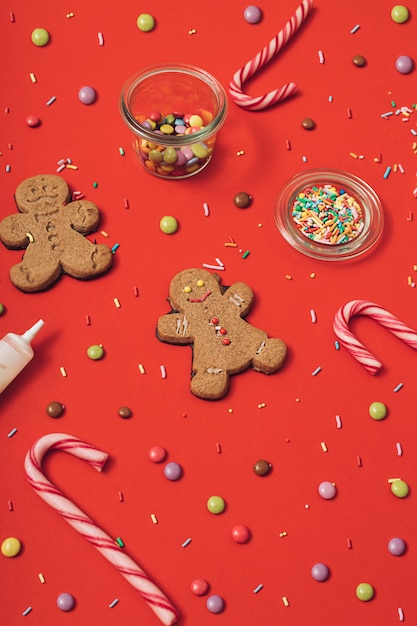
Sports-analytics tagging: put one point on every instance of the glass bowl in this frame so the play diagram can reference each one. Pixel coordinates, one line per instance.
(357, 202)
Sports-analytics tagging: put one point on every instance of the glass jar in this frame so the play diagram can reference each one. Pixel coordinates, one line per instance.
(174, 113)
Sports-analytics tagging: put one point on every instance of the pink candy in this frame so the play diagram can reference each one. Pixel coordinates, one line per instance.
(380, 315)
(266, 54)
(84, 525)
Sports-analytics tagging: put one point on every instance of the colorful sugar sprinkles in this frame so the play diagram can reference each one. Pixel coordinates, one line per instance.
(169, 160)
(327, 215)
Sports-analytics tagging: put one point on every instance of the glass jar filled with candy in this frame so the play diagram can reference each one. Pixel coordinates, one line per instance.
(174, 113)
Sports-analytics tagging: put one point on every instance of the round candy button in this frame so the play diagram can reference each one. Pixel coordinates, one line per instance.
(157, 454)
(252, 14)
(172, 471)
(215, 604)
(65, 601)
(320, 572)
(145, 22)
(2, 308)
(359, 60)
(32, 121)
(168, 224)
(364, 592)
(125, 412)
(40, 37)
(399, 14)
(404, 64)
(262, 467)
(377, 410)
(216, 505)
(95, 352)
(240, 533)
(308, 123)
(242, 200)
(87, 95)
(55, 409)
(199, 586)
(399, 488)
(327, 490)
(397, 546)
(11, 547)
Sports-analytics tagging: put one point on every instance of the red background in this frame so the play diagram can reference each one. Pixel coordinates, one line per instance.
(300, 409)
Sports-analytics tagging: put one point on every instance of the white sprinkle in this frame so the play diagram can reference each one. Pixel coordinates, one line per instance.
(400, 615)
(316, 371)
(321, 56)
(330, 98)
(398, 387)
(206, 209)
(51, 101)
(27, 611)
(100, 39)
(313, 316)
(400, 168)
(163, 371)
(213, 267)
(304, 159)
(355, 29)
(387, 114)
(186, 543)
(60, 168)
(219, 262)
(413, 132)
(112, 604)
(12, 432)
(258, 588)
(399, 449)
(338, 421)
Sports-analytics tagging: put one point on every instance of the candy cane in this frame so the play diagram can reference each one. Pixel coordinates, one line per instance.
(266, 54)
(380, 315)
(84, 525)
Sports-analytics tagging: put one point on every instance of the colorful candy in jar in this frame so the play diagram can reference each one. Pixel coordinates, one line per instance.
(167, 158)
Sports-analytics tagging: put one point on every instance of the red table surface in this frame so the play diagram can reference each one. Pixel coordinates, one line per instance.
(283, 418)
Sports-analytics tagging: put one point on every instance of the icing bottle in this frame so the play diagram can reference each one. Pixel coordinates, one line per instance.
(15, 353)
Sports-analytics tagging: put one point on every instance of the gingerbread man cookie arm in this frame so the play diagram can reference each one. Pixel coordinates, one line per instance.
(14, 232)
(241, 295)
(173, 328)
(84, 216)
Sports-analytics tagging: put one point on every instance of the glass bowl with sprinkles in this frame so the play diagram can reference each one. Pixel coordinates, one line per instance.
(329, 215)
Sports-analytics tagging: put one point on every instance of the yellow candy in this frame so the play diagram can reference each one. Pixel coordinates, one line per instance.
(196, 120)
(200, 150)
(11, 547)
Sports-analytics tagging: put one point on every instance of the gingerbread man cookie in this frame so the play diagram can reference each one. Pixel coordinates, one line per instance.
(211, 319)
(52, 230)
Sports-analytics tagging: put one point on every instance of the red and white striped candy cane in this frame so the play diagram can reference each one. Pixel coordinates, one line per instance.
(380, 315)
(158, 602)
(266, 54)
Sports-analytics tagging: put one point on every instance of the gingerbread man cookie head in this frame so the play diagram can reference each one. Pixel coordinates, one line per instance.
(52, 230)
(210, 317)
(40, 191)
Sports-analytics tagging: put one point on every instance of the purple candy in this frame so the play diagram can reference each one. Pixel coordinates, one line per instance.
(215, 604)
(404, 64)
(65, 602)
(87, 95)
(252, 14)
(172, 471)
(320, 572)
(396, 546)
(327, 490)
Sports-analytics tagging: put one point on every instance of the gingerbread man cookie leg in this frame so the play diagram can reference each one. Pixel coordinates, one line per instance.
(83, 524)
(270, 356)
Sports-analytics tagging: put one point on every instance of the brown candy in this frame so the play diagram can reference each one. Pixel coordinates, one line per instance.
(125, 412)
(308, 123)
(262, 468)
(242, 200)
(359, 60)
(55, 409)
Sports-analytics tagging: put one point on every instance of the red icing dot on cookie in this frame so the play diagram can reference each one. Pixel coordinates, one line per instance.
(226, 341)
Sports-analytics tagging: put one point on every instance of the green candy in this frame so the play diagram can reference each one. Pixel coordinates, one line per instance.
(40, 37)
(399, 488)
(399, 14)
(216, 505)
(378, 410)
(145, 22)
(364, 592)
(168, 224)
(95, 352)
(2, 308)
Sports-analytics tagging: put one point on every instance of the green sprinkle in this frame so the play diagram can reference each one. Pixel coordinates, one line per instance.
(121, 151)
(245, 254)
(120, 542)
(95, 185)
